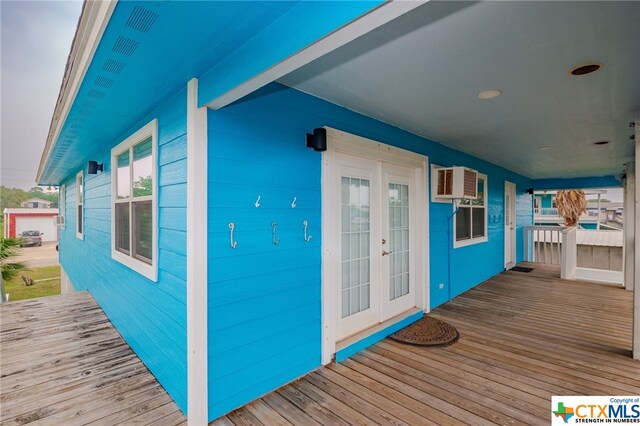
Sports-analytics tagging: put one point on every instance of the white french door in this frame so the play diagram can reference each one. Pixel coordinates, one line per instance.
(509, 225)
(376, 228)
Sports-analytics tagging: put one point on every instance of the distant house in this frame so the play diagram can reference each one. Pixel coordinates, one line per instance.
(242, 225)
(36, 203)
(545, 210)
(18, 220)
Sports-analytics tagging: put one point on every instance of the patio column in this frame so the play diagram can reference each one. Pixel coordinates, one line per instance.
(197, 174)
(635, 211)
(628, 229)
(598, 216)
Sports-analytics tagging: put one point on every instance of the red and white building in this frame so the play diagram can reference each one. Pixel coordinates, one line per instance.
(18, 220)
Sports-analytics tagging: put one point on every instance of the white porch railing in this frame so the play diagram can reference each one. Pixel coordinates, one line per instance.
(559, 246)
(542, 244)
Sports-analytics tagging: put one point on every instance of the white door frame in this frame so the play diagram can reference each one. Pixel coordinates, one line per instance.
(346, 143)
(510, 233)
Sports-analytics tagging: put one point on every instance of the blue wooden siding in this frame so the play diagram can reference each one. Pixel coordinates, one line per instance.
(150, 316)
(577, 183)
(264, 300)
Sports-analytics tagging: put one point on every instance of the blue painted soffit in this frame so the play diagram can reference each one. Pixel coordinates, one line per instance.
(150, 50)
(577, 183)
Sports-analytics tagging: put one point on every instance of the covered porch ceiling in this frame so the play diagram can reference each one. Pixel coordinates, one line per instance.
(424, 70)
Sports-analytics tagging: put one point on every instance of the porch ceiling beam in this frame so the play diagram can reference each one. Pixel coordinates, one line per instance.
(379, 16)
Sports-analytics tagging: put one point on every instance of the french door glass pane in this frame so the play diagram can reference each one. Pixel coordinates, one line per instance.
(355, 261)
(142, 230)
(398, 240)
(122, 226)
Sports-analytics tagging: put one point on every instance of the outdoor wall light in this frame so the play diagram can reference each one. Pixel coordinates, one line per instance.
(317, 140)
(93, 167)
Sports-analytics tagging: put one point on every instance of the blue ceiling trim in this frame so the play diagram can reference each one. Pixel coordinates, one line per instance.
(577, 183)
(296, 29)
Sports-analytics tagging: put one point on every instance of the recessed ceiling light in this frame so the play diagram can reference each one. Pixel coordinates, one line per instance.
(545, 148)
(586, 69)
(601, 143)
(488, 94)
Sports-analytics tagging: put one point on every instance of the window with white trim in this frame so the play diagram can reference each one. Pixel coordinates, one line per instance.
(134, 194)
(62, 205)
(80, 205)
(471, 217)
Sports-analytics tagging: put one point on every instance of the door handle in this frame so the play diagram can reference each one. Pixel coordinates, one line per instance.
(386, 253)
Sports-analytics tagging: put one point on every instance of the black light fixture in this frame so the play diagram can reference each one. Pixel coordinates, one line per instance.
(529, 191)
(317, 140)
(93, 167)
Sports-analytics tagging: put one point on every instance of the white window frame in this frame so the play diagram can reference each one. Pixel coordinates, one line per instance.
(476, 240)
(80, 229)
(149, 271)
(62, 205)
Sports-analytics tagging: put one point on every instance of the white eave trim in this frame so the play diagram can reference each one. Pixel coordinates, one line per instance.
(386, 12)
(93, 21)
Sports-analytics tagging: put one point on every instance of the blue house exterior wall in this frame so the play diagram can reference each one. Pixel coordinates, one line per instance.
(264, 326)
(150, 316)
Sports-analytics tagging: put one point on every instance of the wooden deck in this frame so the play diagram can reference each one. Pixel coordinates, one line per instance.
(62, 362)
(524, 337)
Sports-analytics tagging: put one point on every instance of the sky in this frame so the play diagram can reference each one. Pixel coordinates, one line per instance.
(35, 40)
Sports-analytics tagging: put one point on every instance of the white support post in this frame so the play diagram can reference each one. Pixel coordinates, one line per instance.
(635, 212)
(629, 225)
(569, 255)
(598, 222)
(66, 286)
(197, 169)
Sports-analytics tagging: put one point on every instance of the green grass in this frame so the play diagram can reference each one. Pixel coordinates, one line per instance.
(19, 291)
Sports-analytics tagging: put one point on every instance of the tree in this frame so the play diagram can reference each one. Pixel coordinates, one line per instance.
(14, 197)
(8, 248)
(571, 204)
(11, 197)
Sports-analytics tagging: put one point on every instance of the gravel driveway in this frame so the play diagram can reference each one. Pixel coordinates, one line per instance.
(35, 257)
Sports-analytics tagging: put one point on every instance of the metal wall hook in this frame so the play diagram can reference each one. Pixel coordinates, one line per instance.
(307, 238)
(293, 203)
(257, 204)
(233, 243)
(274, 238)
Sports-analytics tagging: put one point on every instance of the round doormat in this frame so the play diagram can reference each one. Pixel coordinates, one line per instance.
(427, 331)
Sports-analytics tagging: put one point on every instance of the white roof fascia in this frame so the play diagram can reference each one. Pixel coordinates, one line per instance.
(91, 25)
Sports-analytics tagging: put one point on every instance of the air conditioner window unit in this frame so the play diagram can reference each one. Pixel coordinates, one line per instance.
(456, 182)
(58, 221)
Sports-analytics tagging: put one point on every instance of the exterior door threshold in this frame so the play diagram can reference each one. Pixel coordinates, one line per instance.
(356, 342)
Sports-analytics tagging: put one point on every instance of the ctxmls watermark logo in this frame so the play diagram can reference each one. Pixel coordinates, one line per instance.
(595, 409)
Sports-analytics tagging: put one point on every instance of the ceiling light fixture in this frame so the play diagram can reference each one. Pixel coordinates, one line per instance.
(601, 143)
(586, 69)
(545, 148)
(488, 94)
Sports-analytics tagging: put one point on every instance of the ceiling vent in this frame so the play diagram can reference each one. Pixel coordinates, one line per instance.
(95, 94)
(113, 66)
(456, 182)
(141, 19)
(125, 46)
(103, 82)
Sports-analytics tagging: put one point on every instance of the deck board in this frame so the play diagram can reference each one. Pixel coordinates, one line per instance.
(63, 362)
(523, 338)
